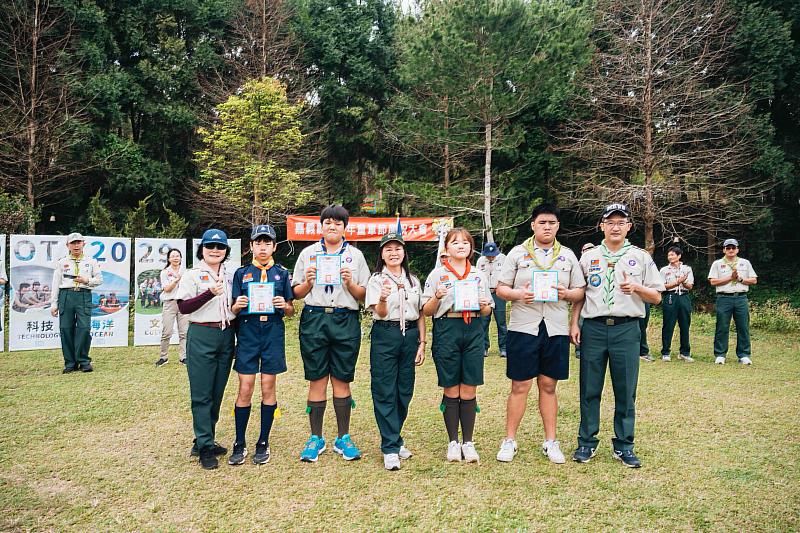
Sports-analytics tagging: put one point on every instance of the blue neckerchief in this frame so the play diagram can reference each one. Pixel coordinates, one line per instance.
(329, 288)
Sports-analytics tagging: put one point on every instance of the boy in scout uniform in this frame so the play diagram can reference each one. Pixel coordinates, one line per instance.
(732, 277)
(491, 263)
(676, 304)
(261, 341)
(71, 301)
(330, 330)
(538, 337)
(620, 278)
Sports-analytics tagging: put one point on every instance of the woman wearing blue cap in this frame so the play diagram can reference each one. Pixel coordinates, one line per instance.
(204, 294)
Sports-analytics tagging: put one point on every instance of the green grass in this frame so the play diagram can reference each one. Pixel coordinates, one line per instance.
(109, 451)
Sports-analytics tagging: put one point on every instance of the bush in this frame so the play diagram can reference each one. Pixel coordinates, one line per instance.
(775, 316)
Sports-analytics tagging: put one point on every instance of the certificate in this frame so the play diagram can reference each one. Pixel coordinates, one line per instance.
(259, 298)
(329, 269)
(544, 285)
(467, 295)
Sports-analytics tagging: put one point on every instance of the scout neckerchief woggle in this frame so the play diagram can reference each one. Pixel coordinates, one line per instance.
(402, 295)
(530, 247)
(76, 267)
(329, 288)
(448, 266)
(733, 264)
(224, 305)
(264, 268)
(611, 261)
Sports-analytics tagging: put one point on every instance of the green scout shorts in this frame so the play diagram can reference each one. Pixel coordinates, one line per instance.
(458, 351)
(329, 344)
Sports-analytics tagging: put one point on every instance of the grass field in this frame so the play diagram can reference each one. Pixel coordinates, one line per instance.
(109, 451)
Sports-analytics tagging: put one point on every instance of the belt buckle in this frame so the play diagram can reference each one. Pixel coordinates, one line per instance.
(264, 318)
(329, 310)
(76, 289)
(610, 322)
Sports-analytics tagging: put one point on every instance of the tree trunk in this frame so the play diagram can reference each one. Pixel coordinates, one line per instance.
(487, 185)
(30, 170)
(647, 116)
(263, 6)
(711, 245)
(446, 146)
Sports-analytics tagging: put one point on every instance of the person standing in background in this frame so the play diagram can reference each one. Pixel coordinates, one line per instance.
(676, 304)
(170, 278)
(491, 263)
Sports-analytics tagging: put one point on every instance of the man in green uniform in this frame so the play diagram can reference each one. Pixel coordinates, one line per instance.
(71, 301)
(732, 277)
(621, 278)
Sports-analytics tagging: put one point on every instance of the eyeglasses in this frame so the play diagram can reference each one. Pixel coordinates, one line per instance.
(214, 246)
(616, 224)
(731, 247)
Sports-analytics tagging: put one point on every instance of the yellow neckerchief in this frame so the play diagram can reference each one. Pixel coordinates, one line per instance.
(264, 268)
(530, 247)
(76, 268)
(733, 264)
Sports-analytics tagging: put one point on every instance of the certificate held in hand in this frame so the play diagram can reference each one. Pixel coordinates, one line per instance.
(259, 298)
(544, 285)
(467, 295)
(329, 269)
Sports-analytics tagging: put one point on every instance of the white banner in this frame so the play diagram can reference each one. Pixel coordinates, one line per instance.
(234, 259)
(33, 258)
(4, 275)
(150, 260)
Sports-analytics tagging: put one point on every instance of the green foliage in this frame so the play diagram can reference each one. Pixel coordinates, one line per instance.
(775, 316)
(249, 154)
(175, 228)
(16, 214)
(137, 223)
(100, 219)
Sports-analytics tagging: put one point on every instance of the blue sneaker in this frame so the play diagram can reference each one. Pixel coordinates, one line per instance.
(345, 447)
(314, 446)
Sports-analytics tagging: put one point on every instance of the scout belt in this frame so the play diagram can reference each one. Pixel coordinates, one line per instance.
(393, 323)
(320, 309)
(731, 293)
(459, 314)
(613, 320)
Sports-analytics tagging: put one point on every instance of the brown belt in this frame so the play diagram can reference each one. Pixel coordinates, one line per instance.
(459, 314)
(217, 325)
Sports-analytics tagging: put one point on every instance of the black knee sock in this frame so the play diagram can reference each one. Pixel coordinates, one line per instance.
(451, 417)
(343, 406)
(267, 416)
(241, 416)
(316, 412)
(467, 415)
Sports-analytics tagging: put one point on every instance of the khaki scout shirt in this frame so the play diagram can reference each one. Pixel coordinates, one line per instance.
(340, 297)
(492, 269)
(444, 276)
(167, 276)
(86, 267)
(198, 280)
(721, 270)
(671, 275)
(411, 306)
(640, 268)
(518, 271)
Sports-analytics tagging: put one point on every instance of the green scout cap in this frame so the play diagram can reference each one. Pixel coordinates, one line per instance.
(392, 237)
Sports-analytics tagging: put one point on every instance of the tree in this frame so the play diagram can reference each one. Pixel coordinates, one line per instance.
(250, 169)
(471, 67)
(662, 125)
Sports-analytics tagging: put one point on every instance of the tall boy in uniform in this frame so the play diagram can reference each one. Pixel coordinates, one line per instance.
(71, 300)
(330, 331)
(261, 341)
(491, 263)
(732, 276)
(621, 278)
(538, 336)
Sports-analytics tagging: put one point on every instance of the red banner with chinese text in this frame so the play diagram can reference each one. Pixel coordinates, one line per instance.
(425, 229)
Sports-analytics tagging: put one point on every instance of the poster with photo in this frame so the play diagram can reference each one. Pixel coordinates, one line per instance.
(149, 261)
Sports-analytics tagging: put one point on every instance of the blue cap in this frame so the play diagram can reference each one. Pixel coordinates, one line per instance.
(263, 230)
(490, 249)
(214, 235)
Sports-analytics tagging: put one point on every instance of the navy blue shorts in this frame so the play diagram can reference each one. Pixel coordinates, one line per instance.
(260, 345)
(532, 355)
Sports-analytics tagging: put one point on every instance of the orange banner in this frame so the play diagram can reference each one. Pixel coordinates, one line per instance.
(308, 228)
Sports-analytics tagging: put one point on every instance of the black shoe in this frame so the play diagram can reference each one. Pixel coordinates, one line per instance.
(628, 458)
(583, 454)
(162, 361)
(262, 454)
(68, 370)
(183, 361)
(207, 459)
(238, 455)
(217, 448)
(87, 367)
(503, 353)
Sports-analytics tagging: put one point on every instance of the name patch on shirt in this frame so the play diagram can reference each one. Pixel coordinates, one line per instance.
(247, 277)
(204, 277)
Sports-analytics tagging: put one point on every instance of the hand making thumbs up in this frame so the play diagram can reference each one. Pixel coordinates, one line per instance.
(627, 286)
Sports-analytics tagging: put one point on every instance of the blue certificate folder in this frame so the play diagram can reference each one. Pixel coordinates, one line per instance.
(259, 298)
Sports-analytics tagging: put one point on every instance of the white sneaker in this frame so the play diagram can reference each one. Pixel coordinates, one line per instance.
(404, 453)
(666, 358)
(719, 360)
(454, 452)
(508, 449)
(470, 453)
(552, 450)
(745, 361)
(686, 358)
(391, 461)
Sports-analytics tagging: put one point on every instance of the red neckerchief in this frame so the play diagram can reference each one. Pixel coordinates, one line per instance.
(448, 266)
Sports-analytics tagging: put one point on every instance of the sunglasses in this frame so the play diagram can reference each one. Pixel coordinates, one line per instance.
(731, 247)
(215, 246)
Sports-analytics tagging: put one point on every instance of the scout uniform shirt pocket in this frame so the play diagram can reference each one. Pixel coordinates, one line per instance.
(633, 267)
